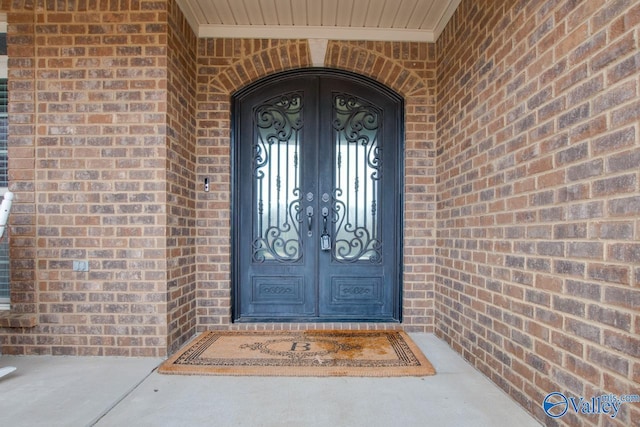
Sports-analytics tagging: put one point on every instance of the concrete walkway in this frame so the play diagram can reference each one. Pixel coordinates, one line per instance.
(86, 391)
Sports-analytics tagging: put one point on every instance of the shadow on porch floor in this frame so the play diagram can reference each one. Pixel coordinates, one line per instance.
(86, 391)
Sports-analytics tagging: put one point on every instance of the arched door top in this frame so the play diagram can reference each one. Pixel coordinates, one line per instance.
(349, 76)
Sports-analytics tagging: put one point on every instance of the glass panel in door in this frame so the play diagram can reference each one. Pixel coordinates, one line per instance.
(276, 175)
(357, 176)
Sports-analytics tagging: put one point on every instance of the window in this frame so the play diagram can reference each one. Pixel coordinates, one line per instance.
(4, 181)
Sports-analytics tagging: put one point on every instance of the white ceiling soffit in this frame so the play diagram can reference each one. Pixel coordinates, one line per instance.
(384, 20)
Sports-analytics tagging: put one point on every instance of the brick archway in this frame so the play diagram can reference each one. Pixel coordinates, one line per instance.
(374, 60)
(225, 66)
(378, 61)
(259, 59)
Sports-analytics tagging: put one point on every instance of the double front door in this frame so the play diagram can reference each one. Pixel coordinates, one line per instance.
(317, 199)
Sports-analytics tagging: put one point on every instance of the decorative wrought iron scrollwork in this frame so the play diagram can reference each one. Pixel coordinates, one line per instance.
(356, 126)
(278, 199)
(276, 121)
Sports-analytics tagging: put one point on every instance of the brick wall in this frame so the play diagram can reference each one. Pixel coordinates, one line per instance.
(180, 176)
(114, 126)
(223, 67)
(226, 66)
(22, 66)
(89, 166)
(538, 182)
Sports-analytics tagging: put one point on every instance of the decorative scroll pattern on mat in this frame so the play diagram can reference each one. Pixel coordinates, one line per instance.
(301, 353)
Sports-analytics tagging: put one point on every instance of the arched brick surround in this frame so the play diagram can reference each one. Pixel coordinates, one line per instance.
(226, 66)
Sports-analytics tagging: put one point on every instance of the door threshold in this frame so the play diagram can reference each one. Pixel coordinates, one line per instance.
(305, 325)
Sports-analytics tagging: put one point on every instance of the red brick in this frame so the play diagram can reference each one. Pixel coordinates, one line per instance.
(628, 206)
(614, 51)
(584, 370)
(627, 67)
(628, 298)
(625, 344)
(584, 330)
(611, 317)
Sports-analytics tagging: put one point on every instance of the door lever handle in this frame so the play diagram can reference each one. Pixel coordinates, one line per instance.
(325, 239)
(309, 219)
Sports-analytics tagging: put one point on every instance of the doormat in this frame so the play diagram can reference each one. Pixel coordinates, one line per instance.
(301, 353)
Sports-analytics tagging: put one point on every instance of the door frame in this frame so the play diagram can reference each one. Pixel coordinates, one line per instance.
(236, 173)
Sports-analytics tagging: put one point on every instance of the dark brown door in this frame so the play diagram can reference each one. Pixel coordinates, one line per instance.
(317, 199)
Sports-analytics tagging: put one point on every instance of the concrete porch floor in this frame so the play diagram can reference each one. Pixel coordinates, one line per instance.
(87, 391)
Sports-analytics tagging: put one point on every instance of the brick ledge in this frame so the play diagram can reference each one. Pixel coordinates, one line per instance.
(17, 320)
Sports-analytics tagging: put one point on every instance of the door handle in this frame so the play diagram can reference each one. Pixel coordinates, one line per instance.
(325, 239)
(309, 219)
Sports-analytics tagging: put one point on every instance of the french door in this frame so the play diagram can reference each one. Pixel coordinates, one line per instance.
(317, 199)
